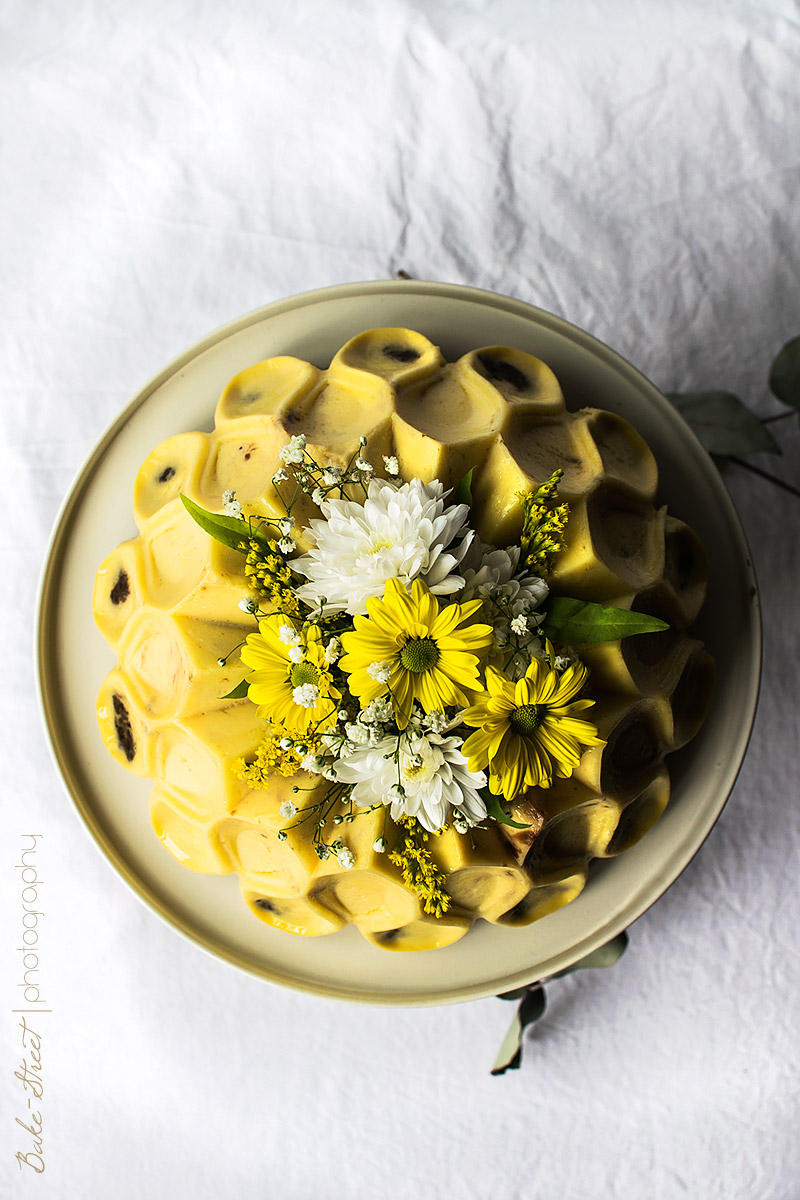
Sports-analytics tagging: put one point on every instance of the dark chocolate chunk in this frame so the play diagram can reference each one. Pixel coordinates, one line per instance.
(403, 354)
(122, 724)
(504, 372)
(166, 474)
(265, 904)
(122, 588)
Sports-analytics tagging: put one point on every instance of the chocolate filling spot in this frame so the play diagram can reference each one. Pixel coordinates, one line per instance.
(403, 354)
(166, 474)
(121, 589)
(265, 904)
(504, 372)
(122, 724)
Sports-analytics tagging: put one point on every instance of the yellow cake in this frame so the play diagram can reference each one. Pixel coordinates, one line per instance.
(169, 605)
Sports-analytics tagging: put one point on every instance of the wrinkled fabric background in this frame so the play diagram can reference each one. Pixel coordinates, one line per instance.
(169, 164)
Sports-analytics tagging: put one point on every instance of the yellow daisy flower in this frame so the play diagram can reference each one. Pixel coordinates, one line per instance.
(526, 731)
(407, 647)
(291, 681)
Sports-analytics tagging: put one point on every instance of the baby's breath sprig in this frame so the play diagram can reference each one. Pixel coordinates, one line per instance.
(420, 872)
(318, 481)
(543, 526)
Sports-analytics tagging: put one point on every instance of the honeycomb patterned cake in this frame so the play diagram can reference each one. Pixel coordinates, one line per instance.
(167, 603)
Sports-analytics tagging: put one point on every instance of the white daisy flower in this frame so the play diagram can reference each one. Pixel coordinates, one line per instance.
(434, 778)
(403, 531)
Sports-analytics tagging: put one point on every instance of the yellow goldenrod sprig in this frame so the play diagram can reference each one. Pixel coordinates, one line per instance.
(270, 575)
(420, 872)
(543, 525)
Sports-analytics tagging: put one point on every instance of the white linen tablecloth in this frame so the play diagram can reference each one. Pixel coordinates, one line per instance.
(169, 164)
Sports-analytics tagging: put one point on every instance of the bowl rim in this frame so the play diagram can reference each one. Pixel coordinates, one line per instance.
(46, 600)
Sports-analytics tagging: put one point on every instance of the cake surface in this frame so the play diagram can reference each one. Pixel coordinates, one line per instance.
(169, 603)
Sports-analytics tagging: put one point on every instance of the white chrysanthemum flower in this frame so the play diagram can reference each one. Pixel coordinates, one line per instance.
(288, 810)
(306, 696)
(403, 531)
(295, 451)
(433, 778)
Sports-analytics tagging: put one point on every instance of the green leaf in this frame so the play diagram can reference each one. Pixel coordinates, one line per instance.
(570, 620)
(603, 956)
(496, 810)
(784, 376)
(534, 1001)
(237, 693)
(231, 531)
(463, 493)
(722, 424)
(533, 1005)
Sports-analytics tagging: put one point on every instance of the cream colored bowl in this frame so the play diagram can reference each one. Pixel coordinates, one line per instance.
(73, 659)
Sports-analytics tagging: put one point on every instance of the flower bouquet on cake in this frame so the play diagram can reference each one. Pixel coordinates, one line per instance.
(403, 667)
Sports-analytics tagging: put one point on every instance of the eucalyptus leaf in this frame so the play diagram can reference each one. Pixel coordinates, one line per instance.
(463, 493)
(604, 956)
(509, 1057)
(784, 376)
(577, 621)
(231, 531)
(496, 810)
(534, 1001)
(237, 693)
(723, 424)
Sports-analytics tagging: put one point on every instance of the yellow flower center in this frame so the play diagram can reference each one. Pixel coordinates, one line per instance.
(419, 655)
(303, 672)
(527, 717)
